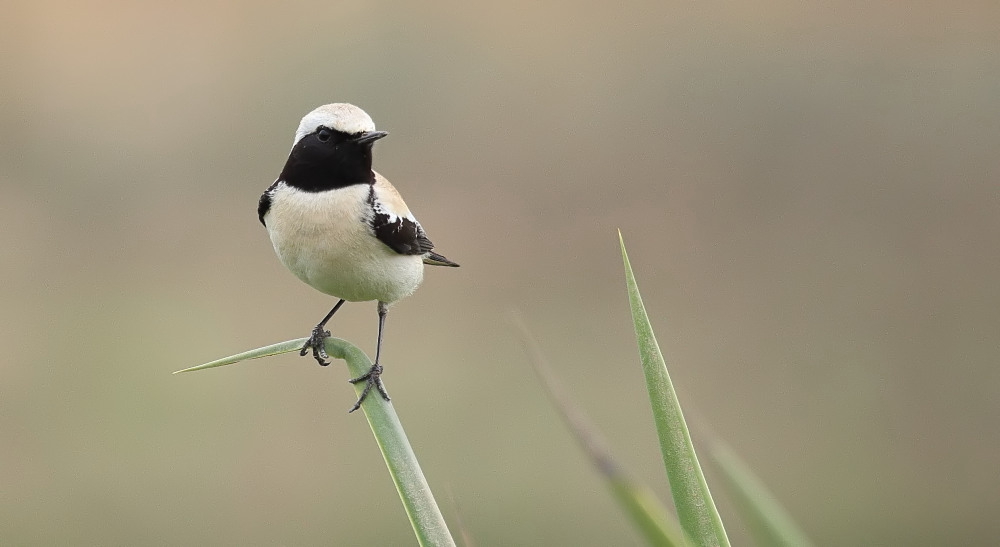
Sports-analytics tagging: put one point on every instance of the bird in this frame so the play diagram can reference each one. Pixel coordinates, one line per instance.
(342, 228)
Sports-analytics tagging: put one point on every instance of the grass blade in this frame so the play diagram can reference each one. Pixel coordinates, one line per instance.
(768, 521)
(418, 501)
(647, 512)
(695, 508)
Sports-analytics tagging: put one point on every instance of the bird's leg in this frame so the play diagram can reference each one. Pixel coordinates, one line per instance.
(317, 341)
(374, 375)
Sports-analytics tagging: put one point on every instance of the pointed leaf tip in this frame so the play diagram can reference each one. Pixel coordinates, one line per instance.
(696, 510)
(266, 351)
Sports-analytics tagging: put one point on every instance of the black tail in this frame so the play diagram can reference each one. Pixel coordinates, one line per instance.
(435, 259)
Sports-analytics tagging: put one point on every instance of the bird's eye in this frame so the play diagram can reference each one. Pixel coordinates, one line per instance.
(324, 134)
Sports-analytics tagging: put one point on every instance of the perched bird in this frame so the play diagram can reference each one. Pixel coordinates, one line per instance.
(341, 227)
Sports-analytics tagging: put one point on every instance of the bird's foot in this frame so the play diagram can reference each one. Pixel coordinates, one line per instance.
(371, 378)
(318, 344)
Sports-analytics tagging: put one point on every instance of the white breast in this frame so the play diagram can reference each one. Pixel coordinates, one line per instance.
(324, 238)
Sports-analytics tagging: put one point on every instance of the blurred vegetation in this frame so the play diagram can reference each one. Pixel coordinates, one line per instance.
(813, 190)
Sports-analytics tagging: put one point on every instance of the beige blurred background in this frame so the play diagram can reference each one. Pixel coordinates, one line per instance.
(809, 195)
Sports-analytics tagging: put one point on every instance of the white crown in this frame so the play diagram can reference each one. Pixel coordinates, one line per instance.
(337, 116)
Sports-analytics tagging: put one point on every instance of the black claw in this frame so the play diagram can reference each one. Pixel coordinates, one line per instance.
(317, 342)
(371, 378)
(382, 391)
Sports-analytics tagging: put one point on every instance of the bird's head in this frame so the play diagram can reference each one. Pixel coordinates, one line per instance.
(339, 122)
(332, 149)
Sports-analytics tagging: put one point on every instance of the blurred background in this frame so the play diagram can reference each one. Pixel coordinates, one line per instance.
(809, 196)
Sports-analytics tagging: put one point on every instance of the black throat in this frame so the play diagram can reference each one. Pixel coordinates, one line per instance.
(315, 166)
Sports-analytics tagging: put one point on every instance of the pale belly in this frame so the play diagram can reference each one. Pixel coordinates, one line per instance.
(338, 255)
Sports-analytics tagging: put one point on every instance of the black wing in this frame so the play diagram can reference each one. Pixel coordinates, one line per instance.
(265, 202)
(402, 235)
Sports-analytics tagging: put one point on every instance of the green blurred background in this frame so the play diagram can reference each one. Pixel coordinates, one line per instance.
(809, 194)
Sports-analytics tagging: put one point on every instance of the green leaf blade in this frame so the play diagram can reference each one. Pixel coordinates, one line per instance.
(266, 351)
(695, 508)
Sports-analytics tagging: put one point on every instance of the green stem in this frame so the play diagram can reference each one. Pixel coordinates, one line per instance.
(415, 493)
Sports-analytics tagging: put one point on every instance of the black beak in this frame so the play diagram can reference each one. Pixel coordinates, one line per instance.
(370, 137)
